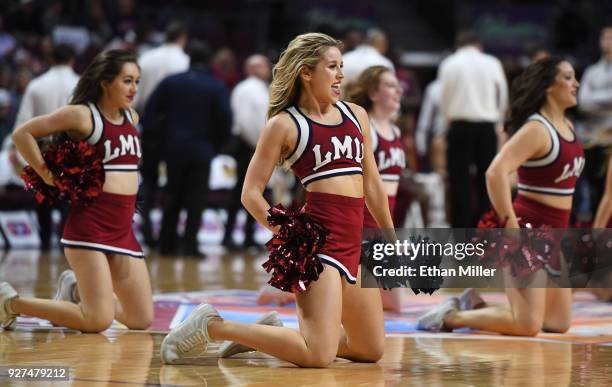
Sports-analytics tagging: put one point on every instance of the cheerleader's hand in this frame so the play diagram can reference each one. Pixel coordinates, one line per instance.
(512, 223)
(48, 177)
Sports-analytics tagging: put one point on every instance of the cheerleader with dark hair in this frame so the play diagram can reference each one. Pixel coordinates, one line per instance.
(548, 157)
(109, 278)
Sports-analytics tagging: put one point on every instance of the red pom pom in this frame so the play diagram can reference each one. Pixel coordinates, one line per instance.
(490, 220)
(293, 260)
(525, 253)
(78, 171)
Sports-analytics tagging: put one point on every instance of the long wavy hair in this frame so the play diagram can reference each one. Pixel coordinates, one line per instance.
(106, 66)
(359, 91)
(304, 50)
(528, 92)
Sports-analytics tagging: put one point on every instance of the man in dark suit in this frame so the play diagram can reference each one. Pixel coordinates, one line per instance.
(193, 110)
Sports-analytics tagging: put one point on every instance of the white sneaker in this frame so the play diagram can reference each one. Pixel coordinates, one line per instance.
(66, 286)
(7, 293)
(470, 300)
(433, 320)
(189, 334)
(231, 348)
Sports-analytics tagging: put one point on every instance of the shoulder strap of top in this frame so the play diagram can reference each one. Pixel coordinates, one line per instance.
(373, 136)
(349, 113)
(128, 115)
(540, 118)
(303, 136)
(551, 156)
(98, 125)
(396, 131)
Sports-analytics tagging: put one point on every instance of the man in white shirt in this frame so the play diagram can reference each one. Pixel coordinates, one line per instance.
(595, 101)
(595, 93)
(158, 63)
(249, 101)
(369, 54)
(155, 65)
(51, 90)
(43, 95)
(474, 98)
(430, 123)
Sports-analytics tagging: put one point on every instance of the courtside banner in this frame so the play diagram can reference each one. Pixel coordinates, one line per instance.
(429, 259)
(19, 228)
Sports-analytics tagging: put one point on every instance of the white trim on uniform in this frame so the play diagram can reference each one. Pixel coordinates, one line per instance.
(396, 131)
(558, 191)
(333, 262)
(128, 115)
(347, 111)
(389, 177)
(303, 136)
(98, 125)
(102, 247)
(551, 271)
(555, 149)
(121, 167)
(331, 172)
(374, 136)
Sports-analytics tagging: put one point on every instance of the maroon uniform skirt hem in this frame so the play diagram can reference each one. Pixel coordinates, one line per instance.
(105, 225)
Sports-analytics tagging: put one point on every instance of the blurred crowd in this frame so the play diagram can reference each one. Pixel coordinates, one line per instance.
(201, 111)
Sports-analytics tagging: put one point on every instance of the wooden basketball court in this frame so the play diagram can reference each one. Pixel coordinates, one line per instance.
(120, 357)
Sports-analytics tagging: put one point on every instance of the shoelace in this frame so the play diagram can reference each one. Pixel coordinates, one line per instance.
(191, 341)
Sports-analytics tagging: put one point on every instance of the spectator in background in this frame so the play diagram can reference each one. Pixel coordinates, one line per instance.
(23, 78)
(595, 102)
(124, 16)
(98, 24)
(43, 95)
(6, 124)
(224, 67)
(370, 53)
(431, 123)
(353, 38)
(24, 18)
(430, 145)
(160, 62)
(595, 94)
(6, 75)
(196, 122)
(8, 43)
(155, 65)
(474, 97)
(51, 90)
(249, 103)
(537, 52)
(10, 180)
(603, 218)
